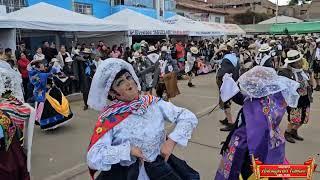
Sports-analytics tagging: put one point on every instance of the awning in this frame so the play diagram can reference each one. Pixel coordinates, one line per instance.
(194, 28)
(296, 28)
(227, 29)
(43, 16)
(139, 24)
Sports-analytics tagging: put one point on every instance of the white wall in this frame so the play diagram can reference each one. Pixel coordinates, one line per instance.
(212, 18)
(8, 39)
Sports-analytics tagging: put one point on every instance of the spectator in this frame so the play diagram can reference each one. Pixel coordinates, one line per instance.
(127, 54)
(68, 71)
(93, 48)
(62, 55)
(104, 52)
(40, 56)
(53, 51)
(22, 67)
(9, 57)
(22, 49)
(100, 44)
(115, 53)
(97, 60)
(46, 51)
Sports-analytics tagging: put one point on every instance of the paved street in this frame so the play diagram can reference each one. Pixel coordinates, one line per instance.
(60, 154)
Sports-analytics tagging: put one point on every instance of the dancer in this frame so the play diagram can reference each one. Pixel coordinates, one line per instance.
(265, 97)
(129, 140)
(316, 66)
(190, 67)
(52, 106)
(16, 127)
(230, 64)
(300, 115)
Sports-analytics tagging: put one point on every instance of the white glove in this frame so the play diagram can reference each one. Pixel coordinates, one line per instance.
(229, 88)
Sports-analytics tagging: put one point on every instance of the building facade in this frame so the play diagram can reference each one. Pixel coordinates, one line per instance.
(198, 10)
(307, 12)
(98, 8)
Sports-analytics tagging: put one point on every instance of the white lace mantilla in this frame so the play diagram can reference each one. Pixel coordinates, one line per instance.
(263, 81)
(10, 80)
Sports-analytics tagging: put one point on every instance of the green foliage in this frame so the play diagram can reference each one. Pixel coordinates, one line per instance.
(250, 17)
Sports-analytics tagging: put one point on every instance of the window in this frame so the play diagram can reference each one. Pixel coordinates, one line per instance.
(83, 8)
(303, 12)
(217, 19)
(118, 2)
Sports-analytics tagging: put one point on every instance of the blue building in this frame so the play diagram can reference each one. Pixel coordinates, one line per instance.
(103, 8)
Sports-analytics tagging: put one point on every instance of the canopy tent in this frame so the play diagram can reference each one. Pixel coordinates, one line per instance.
(139, 24)
(195, 28)
(256, 28)
(228, 29)
(293, 28)
(281, 19)
(43, 16)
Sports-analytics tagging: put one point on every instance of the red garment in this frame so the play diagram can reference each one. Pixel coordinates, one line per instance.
(180, 51)
(22, 66)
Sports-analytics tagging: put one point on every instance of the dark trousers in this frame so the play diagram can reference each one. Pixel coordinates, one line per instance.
(27, 89)
(174, 169)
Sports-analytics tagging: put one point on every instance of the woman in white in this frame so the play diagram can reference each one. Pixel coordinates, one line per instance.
(131, 127)
(63, 55)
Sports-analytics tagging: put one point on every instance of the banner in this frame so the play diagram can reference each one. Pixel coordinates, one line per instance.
(305, 170)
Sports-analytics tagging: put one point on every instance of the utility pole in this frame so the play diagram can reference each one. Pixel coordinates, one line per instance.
(277, 11)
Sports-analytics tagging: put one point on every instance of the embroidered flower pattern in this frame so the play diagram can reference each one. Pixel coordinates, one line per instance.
(269, 109)
(227, 162)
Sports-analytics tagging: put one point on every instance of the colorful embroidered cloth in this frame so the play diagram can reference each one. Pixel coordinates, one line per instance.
(18, 112)
(138, 106)
(8, 130)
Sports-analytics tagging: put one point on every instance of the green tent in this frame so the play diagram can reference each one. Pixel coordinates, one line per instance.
(295, 28)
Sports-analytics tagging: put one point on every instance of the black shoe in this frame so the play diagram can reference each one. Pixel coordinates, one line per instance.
(190, 85)
(224, 122)
(85, 107)
(294, 135)
(227, 128)
(317, 88)
(288, 137)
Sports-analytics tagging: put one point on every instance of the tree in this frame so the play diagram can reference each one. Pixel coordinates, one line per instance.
(251, 17)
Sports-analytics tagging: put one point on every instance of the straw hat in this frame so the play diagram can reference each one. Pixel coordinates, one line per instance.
(68, 59)
(164, 49)
(152, 49)
(194, 50)
(272, 42)
(293, 56)
(87, 51)
(264, 48)
(222, 47)
(252, 46)
(144, 43)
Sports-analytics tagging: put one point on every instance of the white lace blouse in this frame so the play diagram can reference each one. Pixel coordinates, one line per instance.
(146, 132)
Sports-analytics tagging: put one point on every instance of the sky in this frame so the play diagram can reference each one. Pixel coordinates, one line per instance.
(281, 2)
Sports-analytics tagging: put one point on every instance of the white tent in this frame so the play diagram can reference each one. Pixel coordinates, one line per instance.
(139, 24)
(195, 28)
(281, 19)
(43, 16)
(228, 29)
